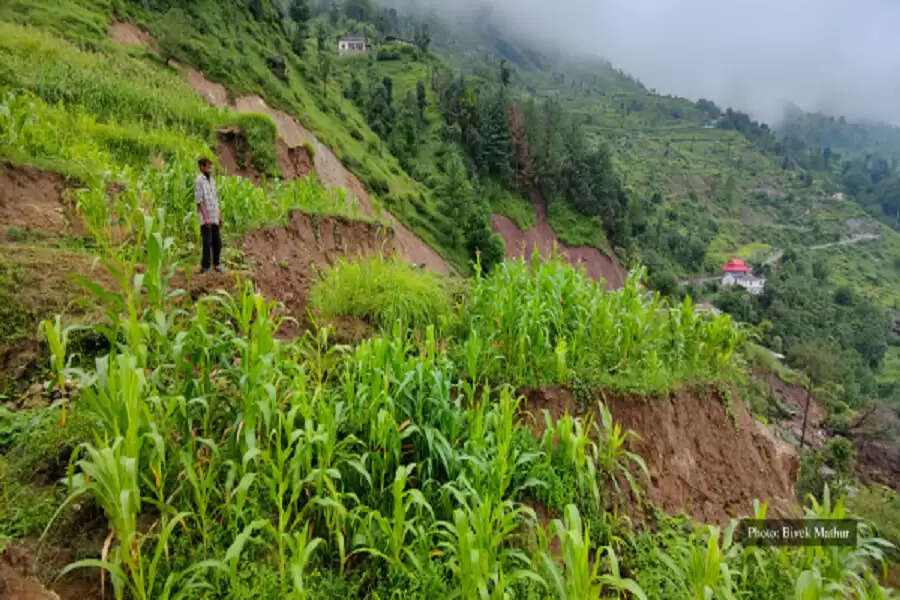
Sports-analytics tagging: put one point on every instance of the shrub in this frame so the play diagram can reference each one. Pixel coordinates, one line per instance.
(382, 291)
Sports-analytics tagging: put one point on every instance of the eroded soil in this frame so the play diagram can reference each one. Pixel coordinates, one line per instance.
(287, 261)
(33, 201)
(700, 461)
(597, 265)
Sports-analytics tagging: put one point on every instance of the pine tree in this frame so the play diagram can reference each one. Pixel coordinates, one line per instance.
(456, 193)
(324, 70)
(299, 12)
(422, 38)
(421, 98)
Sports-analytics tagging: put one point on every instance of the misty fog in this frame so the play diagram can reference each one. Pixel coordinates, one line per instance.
(841, 57)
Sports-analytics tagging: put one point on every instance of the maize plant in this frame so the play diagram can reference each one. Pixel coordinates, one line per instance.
(575, 573)
(611, 453)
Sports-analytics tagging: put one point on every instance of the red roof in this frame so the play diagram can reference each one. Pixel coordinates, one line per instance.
(735, 265)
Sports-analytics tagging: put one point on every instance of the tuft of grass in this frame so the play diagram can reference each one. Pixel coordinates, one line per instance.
(382, 291)
(509, 204)
(879, 505)
(575, 229)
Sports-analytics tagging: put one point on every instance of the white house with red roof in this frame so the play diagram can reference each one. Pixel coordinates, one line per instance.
(736, 272)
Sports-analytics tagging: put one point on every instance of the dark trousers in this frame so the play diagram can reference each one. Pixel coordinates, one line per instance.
(212, 245)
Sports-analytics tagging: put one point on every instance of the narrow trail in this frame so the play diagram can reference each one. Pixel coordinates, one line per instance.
(520, 243)
(856, 239)
(777, 253)
(329, 169)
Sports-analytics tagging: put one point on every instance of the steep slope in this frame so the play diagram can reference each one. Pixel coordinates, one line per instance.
(329, 169)
(706, 458)
(597, 265)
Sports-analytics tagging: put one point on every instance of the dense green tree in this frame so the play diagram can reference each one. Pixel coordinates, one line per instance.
(380, 109)
(505, 73)
(421, 98)
(321, 39)
(887, 194)
(299, 11)
(388, 84)
(359, 10)
(325, 66)
(457, 195)
(422, 38)
(354, 92)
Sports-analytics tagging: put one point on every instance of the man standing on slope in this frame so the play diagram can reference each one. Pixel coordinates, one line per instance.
(208, 209)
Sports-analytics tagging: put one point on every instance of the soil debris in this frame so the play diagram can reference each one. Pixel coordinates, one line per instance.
(700, 461)
(131, 35)
(793, 398)
(286, 261)
(33, 200)
(597, 265)
(329, 169)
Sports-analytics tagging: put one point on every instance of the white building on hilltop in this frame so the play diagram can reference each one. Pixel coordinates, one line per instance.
(353, 44)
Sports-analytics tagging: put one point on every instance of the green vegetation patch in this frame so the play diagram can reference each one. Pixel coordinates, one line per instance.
(575, 229)
(549, 322)
(509, 204)
(382, 291)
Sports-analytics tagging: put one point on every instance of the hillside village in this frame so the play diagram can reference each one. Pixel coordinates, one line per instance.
(490, 323)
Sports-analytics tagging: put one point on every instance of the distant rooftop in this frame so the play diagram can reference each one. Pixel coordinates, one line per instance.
(735, 265)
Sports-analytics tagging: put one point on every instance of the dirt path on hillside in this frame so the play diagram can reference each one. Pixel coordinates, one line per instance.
(700, 461)
(855, 239)
(520, 243)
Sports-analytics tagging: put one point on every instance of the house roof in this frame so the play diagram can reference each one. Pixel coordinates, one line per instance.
(353, 38)
(735, 265)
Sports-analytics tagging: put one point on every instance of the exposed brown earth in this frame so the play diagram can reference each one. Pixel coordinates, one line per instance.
(596, 264)
(700, 461)
(236, 159)
(44, 279)
(287, 261)
(129, 35)
(234, 154)
(793, 398)
(332, 173)
(878, 461)
(34, 199)
(294, 163)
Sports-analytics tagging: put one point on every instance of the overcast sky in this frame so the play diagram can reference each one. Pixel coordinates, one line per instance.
(838, 56)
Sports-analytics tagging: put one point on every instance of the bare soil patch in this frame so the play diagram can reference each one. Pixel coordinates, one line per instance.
(878, 461)
(33, 199)
(700, 461)
(293, 163)
(793, 398)
(234, 154)
(29, 569)
(287, 261)
(213, 93)
(44, 278)
(597, 265)
(236, 158)
(128, 34)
